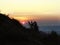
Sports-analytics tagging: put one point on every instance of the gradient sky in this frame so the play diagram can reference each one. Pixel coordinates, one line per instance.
(30, 6)
(20, 9)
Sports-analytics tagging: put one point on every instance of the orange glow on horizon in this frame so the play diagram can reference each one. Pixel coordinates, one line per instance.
(24, 19)
(23, 22)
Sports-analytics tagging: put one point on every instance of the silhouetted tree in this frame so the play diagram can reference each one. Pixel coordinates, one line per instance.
(33, 25)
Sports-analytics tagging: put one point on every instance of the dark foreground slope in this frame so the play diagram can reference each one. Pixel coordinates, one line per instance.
(14, 33)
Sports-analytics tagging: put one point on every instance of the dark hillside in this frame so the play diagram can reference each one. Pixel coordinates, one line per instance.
(12, 32)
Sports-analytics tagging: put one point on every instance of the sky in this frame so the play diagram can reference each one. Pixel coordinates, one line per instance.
(30, 6)
(20, 9)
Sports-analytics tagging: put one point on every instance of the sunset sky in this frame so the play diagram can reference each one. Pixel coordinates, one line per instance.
(27, 9)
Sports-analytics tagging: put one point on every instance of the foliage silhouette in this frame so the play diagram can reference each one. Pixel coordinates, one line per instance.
(33, 25)
(12, 32)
